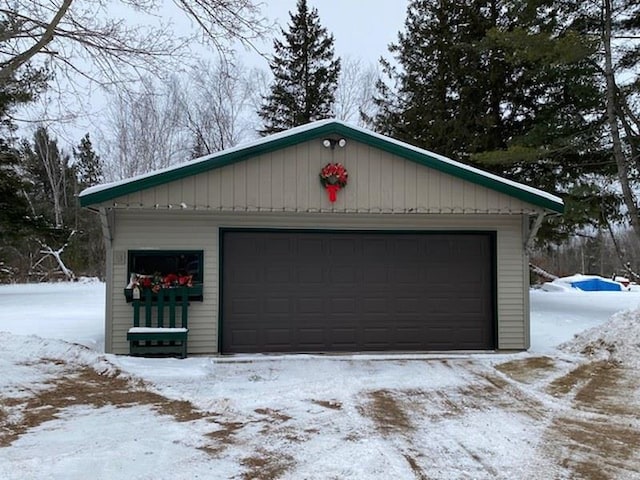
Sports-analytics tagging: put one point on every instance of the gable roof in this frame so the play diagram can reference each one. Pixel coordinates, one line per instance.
(322, 128)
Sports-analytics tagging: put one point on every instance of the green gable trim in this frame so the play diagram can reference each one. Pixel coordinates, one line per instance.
(423, 158)
(405, 151)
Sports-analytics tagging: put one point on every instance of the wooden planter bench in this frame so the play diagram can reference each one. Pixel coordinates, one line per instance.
(160, 334)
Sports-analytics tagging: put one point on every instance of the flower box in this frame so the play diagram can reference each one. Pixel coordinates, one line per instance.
(195, 293)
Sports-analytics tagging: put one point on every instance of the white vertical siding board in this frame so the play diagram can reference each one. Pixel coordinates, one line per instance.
(359, 175)
(240, 201)
(134, 199)
(411, 186)
(175, 194)
(433, 191)
(385, 181)
(375, 181)
(303, 172)
(289, 177)
(265, 165)
(398, 185)
(351, 192)
(468, 195)
(189, 189)
(481, 199)
(215, 189)
(201, 190)
(422, 189)
(226, 179)
(252, 201)
(277, 180)
(288, 180)
(446, 200)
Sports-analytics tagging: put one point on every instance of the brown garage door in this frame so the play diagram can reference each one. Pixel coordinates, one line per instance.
(285, 291)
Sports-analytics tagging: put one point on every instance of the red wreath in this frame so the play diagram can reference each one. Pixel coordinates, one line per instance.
(333, 177)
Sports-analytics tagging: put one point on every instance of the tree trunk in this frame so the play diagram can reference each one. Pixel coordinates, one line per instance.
(612, 119)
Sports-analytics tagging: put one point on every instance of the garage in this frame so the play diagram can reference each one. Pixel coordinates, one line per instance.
(325, 238)
(337, 291)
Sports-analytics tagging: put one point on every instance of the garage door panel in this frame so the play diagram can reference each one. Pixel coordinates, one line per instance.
(343, 247)
(373, 249)
(244, 275)
(279, 274)
(343, 305)
(244, 338)
(278, 336)
(375, 305)
(310, 275)
(277, 246)
(375, 274)
(344, 336)
(406, 274)
(350, 291)
(311, 339)
(277, 305)
(342, 275)
(311, 305)
(243, 306)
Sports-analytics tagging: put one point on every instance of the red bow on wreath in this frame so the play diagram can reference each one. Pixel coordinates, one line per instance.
(333, 177)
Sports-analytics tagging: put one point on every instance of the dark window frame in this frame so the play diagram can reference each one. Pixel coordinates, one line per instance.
(173, 263)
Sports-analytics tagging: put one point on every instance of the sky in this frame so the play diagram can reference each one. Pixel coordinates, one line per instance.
(362, 29)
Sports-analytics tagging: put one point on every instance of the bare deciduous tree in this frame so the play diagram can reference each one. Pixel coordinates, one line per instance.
(164, 123)
(355, 92)
(216, 104)
(79, 36)
(623, 122)
(145, 132)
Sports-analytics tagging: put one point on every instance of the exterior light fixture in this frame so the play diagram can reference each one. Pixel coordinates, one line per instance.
(332, 142)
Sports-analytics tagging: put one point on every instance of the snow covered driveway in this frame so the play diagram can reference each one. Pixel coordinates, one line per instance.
(339, 417)
(70, 412)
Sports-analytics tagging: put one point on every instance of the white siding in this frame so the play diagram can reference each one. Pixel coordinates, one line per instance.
(180, 229)
(287, 181)
(157, 232)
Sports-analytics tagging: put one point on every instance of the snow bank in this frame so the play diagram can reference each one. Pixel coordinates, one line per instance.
(27, 362)
(616, 340)
(67, 311)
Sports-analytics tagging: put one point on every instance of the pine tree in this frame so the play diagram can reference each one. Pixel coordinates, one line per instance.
(305, 71)
(503, 85)
(88, 165)
(16, 218)
(18, 222)
(86, 252)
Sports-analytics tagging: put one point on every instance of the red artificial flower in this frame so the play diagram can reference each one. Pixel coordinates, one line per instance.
(334, 174)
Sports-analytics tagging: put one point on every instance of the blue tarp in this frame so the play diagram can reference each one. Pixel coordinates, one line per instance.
(597, 285)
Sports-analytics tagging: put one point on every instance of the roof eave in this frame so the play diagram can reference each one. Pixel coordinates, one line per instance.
(329, 128)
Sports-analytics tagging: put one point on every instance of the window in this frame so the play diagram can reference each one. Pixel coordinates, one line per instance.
(162, 263)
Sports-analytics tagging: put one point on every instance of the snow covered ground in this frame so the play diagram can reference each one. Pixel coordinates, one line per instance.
(565, 409)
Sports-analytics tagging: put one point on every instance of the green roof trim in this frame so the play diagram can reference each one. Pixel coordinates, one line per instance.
(103, 193)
